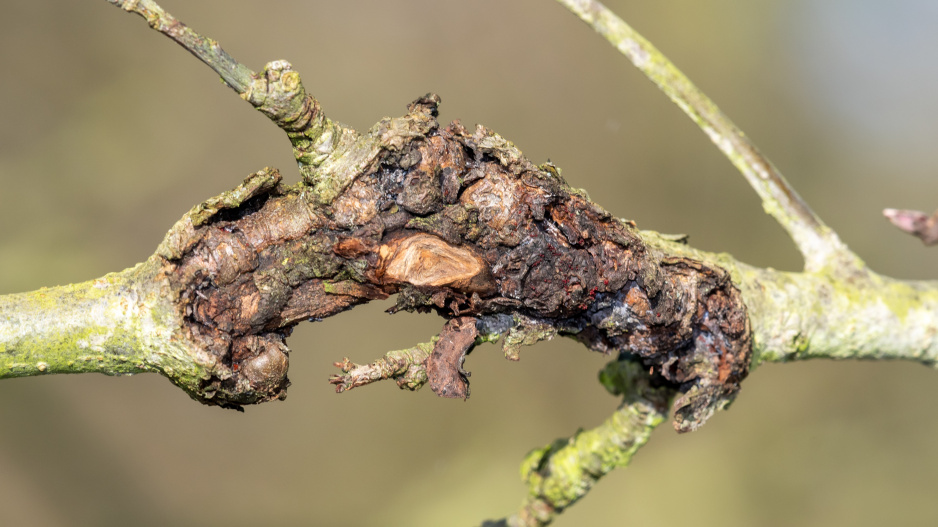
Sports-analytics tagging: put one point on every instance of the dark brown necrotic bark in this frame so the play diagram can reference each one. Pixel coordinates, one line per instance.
(460, 223)
(444, 365)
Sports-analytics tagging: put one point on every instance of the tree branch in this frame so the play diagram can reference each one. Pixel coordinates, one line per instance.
(797, 316)
(121, 324)
(236, 75)
(95, 326)
(458, 222)
(819, 244)
(407, 367)
(922, 225)
(277, 92)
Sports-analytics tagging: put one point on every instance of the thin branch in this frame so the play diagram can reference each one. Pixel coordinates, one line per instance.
(407, 367)
(919, 224)
(277, 92)
(236, 75)
(819, 245)
(563, 472)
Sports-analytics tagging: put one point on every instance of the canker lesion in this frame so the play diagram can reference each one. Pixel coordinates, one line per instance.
(425, 260)
(461, 223)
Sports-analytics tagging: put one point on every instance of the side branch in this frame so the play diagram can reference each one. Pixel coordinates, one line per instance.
(561, 473)
(236, 75)
(407, 367)
(819, 245)
(277, 92)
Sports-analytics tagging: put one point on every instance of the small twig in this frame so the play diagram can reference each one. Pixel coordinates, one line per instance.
(563, 472)
(407, 367)
(236, 75)
(819, 245)
(445, 366)
(919, 224)
(277, 91)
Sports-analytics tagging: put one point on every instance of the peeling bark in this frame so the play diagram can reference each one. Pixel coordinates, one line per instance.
(456, 222)
(445, 365)
(459, 223)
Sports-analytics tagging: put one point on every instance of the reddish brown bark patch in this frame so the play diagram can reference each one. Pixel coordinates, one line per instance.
(445, 371)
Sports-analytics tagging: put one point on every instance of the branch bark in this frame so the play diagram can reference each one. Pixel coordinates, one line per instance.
(819, 244)
(561, 473)
(458, 222)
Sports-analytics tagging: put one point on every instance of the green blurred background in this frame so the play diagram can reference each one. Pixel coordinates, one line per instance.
(109, 132)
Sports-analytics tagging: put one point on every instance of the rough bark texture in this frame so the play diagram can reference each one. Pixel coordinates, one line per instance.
(445, 365)
(460, 223)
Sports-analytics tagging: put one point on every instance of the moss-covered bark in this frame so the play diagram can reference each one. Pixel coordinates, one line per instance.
(120, 324)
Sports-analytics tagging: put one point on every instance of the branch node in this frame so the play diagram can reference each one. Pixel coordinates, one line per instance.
(278, 93)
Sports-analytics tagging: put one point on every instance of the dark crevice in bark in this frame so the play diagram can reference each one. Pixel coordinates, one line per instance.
(460, 223)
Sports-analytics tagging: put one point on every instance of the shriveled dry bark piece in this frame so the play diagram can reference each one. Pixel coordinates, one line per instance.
(445, 365)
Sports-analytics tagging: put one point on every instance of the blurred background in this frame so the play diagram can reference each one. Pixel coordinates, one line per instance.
(109, 132)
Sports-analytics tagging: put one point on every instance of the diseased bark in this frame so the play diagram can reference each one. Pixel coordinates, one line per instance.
(453, 221)
(445, 365)
(561, 473)
(462, 224)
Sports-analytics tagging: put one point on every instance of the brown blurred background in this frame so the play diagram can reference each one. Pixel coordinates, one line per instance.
(109, 132)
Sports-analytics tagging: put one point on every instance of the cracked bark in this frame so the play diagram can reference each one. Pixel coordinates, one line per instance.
(459, 223)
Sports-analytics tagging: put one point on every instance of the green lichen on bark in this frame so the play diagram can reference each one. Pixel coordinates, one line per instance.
(803, 316)
(120, 324)
(561, 473)
(833, 313)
